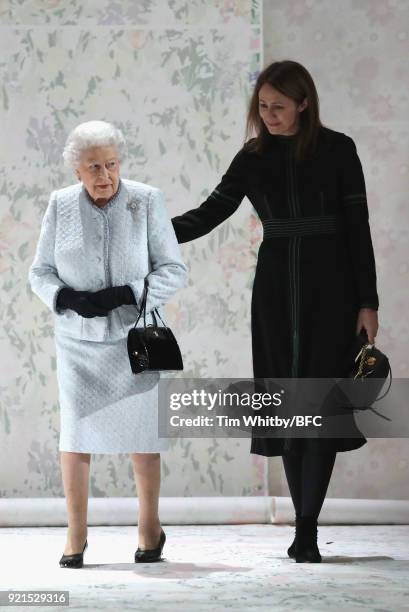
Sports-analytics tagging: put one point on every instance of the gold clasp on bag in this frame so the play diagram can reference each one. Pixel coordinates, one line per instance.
(369, 361)
(362, 352)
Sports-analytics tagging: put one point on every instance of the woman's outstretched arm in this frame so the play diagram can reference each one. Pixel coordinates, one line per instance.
(220, 204)
(168, 270)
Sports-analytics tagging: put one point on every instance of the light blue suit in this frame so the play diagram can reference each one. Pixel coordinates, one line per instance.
(89, 248)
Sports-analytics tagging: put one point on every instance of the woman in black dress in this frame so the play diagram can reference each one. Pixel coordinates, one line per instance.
(315, 283)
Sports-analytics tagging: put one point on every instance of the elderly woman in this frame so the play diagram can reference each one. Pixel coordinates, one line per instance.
(99, 240)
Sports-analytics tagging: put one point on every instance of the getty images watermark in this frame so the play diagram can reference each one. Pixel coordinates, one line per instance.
(208, 401)
(280, 407)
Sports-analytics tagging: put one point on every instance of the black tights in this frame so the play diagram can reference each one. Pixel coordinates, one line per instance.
(308, 476)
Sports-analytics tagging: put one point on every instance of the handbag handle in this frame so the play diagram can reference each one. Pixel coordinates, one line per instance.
(390, 383)
(142, 310)
(157, 312)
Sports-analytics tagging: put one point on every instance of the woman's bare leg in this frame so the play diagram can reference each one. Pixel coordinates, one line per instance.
(146, 468)
(75, 477)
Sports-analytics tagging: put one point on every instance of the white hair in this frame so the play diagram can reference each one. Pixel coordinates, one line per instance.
(92, 134)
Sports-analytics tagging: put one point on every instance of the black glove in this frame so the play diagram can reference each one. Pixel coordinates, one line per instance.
(79, 301)
(112, 297)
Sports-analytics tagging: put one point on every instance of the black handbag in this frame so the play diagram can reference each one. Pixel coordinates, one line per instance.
(367, 370)
(152, 347)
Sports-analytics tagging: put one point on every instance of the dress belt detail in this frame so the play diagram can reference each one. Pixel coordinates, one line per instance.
(302, 226)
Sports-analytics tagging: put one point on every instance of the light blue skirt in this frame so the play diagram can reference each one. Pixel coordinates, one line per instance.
(104, 407)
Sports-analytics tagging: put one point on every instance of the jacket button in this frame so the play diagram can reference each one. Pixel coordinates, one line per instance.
(132, 205)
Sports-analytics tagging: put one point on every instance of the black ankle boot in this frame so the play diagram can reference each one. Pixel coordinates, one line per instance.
(292, 549)
(306, 546)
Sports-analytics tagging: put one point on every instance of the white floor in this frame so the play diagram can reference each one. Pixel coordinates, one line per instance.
(212, 568)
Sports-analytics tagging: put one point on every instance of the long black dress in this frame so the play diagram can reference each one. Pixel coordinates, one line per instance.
(315, 266)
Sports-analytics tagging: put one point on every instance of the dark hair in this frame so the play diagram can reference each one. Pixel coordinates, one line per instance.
(294, 81)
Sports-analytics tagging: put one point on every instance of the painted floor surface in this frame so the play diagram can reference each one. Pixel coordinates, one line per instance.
(212, 568)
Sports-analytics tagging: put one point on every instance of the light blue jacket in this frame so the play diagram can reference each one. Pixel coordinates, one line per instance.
(89, 248)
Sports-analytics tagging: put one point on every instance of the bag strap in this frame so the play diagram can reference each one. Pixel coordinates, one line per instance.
(142, 310)
(379, 414)
(390, 383)
(157, 312)
(381, 397)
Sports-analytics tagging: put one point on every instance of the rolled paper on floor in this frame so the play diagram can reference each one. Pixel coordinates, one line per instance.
(340, 511)
(36, 512)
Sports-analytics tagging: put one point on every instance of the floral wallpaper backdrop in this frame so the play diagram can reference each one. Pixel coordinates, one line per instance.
(175, 77)
(356, 52)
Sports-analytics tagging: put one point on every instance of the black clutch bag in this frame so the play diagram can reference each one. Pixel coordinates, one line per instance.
(152, 347)
(367, 371)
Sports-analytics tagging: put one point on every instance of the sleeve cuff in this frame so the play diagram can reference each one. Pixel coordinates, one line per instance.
(137, 287)
(371, 305)
(55, 309)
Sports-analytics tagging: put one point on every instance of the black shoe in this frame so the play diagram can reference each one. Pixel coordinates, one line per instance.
(152, 554)
(292, 549)
(307, 548)
(76, 560)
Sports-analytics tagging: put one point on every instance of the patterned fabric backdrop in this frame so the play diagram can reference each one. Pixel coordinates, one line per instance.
(175, 77)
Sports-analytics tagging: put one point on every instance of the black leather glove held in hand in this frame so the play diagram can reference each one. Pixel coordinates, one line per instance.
(79, 301)
(112, 297)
